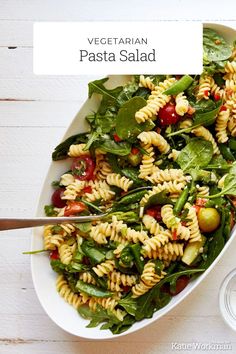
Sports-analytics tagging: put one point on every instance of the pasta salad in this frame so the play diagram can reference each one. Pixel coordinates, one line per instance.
(159, 158)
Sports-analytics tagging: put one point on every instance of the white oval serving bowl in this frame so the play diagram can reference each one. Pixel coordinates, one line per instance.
(64, 315)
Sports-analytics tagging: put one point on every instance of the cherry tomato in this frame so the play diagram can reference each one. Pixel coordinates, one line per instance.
(83, 168)
(216, 97)
(56, 198)
(135, 150)
(54, 254)
(74, 208)
(116, 138)
(223, 108)
(208, 219)
(167, 115)
(181, 283)
(155, 212)
(87, 189)
(174, 235)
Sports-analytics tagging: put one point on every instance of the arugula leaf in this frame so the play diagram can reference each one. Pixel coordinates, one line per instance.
(122, 326)
(128, 91)
(229, 187)
(214, 46)
(129, 304)
(109, 96)
(148, 302)
(126, 124)
(105, 122)
(196, 154)
(101, 315)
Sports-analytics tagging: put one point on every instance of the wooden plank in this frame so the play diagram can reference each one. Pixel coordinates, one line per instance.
(16, 33)
(52, 10)
(38, 113)
(44, 88)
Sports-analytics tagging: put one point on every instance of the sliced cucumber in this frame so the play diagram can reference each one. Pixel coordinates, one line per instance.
(192, 250)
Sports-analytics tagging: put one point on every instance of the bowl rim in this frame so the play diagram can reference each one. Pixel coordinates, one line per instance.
(158, 314)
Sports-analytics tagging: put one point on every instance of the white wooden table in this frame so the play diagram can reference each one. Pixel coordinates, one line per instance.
(34, 112)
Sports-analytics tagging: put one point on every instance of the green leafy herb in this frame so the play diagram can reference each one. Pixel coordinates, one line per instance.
(196, 154)
(121, 149)
(49, 210)
(126, 124)
(214, 46)
(129, 304)
(99, 316)
(109, 96)
(148, 302)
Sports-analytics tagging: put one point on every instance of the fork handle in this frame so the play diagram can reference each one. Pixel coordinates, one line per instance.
(21, 223)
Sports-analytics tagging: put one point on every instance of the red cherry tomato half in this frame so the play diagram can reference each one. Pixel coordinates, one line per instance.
(167, 115)
(116, 138)
(56, 198)
(155, 212)
(74, 208)
(181, 283)
(134, 151)
(54, 254)
(83, 168)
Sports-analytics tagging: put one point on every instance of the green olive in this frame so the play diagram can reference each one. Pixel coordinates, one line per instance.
(208, 219)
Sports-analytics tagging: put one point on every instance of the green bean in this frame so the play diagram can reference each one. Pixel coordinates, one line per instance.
(92, 253)
(179, 86)
(181, 200)
(132, 198)
(138, 259)
(232, 144)
(92, 290)
(226, 152)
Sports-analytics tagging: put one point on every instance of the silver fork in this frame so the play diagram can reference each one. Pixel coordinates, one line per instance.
(21, 223)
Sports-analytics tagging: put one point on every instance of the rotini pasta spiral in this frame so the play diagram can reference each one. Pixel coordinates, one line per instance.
(68, 295)
(107, 303)
(104, 268)
(100, 190)
(181, 104)
(149, 278)
(66, 253)
(174, 154)
(146, 82)
(205, 134)
(173, 223)
(114, 179)
(195, 234)
(77, 150)
(221, 126)
(72, 190)
(152, 108)
(155, 139)
(168, 175)
(146, 168)
(205, 85)
(86, 277)
(230, 67)
(171, 187)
